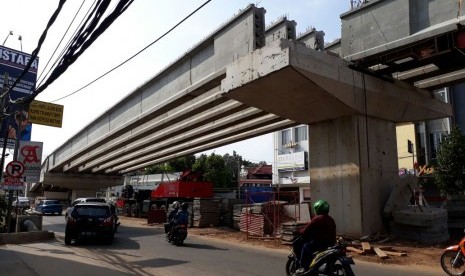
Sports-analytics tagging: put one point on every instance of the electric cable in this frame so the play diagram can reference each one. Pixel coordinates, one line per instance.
(61, 40)
(88, 33)
(68, 43)
(33, 58)
(136, 54)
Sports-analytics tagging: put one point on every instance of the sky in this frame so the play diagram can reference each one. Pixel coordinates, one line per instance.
(141, 24)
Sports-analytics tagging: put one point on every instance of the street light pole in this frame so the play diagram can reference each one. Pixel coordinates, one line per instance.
(6, 38)
(20, 38)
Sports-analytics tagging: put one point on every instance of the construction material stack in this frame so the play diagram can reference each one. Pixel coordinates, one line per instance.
(206, 212)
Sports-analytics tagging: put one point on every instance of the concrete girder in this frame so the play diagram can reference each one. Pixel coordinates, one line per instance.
(184, 96)
(214, 144)
(167, 136)
(80, 181)
(323, 88)
(194, 110)
(188, 140)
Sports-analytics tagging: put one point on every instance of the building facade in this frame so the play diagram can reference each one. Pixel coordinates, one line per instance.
(291, 156)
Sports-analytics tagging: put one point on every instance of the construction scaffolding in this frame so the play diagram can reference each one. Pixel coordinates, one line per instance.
(263, 218)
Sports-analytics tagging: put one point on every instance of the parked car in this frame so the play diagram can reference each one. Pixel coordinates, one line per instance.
(82, 200)
(22, 202)
(49, 206)
(90, 219)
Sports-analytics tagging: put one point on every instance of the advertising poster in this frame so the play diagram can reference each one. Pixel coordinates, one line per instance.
(30, 154)
(14, 62)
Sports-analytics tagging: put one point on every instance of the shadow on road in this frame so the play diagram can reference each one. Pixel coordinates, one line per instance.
(201, 246)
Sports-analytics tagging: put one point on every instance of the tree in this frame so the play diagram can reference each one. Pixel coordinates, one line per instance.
(214, 169)
(175, 165)
(449, 172)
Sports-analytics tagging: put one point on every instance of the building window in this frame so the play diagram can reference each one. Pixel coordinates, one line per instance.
(441, 95)
(436, 139)
(306, 194)
(300, 134)
(286, 137)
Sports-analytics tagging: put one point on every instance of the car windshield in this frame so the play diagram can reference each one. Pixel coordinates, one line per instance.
(88, 200)
(94, 211)
(51, 202)
(96, 200)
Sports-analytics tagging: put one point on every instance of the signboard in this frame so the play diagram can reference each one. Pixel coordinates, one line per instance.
(14, 169)
(12, 183)
(44, 113)
(30, 154)
(292, 162)
(14, 62)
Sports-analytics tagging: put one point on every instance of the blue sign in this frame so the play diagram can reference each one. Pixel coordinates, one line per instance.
(14, 62)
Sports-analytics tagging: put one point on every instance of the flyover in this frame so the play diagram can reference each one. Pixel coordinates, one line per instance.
(231, 87)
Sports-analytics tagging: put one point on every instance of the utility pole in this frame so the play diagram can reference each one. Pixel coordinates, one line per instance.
(411, 150)
(4, 101)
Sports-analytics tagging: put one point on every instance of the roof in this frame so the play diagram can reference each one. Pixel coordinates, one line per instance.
(261, 169)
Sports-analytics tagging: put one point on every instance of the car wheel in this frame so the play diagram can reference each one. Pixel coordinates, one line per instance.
(135, 210)
(127, 209)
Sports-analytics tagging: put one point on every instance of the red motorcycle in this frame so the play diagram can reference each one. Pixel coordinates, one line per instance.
(453, 259)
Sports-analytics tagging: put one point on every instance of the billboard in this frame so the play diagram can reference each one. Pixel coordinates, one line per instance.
(296, 161)
(14, 62)
(30, 154)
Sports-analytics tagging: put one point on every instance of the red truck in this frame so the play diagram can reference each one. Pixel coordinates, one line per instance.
(188, 186)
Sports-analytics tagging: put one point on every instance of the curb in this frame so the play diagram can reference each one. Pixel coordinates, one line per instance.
(25, 237)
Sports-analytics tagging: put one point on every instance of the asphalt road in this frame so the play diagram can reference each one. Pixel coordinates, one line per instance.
(142, 250)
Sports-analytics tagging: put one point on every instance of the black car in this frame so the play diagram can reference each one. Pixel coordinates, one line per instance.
(90, 220)
(81, 200)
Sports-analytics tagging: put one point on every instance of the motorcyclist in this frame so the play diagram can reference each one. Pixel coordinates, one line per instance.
(175, 205)
(173, 212)
(182, 216)
(318, 234)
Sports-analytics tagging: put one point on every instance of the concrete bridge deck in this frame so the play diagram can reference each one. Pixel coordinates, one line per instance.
(232, 87)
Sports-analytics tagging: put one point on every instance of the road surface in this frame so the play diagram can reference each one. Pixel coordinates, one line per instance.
(142, 250)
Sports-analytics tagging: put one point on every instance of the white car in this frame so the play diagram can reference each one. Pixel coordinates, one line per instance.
(22, 202)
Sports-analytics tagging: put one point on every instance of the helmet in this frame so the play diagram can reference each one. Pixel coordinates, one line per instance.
(184, 206)
(321, 207)
(175, 205)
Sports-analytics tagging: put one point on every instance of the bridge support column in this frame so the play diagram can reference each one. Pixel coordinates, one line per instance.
(353, 164)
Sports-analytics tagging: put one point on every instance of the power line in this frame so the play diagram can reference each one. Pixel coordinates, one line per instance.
(136, 54)
(61, 40)
(87, 34)
(52, 19)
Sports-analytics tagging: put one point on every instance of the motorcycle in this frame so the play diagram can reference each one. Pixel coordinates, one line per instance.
(177, 235)
(332, 261)
(453, 259)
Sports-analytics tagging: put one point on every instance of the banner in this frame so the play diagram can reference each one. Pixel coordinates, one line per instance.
(30, 154)
(14, 62)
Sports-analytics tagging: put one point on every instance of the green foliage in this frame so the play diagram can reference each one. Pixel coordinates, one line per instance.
(214, 169)
(449, 172)
(176, 165)
(223, 171)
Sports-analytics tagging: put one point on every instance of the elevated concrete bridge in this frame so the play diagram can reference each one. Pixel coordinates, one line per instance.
(232, 87)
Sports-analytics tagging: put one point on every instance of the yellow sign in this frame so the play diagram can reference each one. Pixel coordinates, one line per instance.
(44, 113)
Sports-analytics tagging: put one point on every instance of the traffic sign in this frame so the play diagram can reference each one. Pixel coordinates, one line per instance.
(12, 183)
(15, 169)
